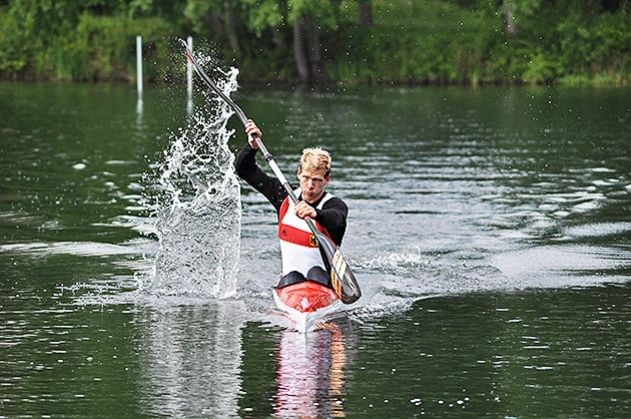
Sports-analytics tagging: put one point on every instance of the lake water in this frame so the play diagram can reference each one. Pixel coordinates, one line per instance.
(489, 228)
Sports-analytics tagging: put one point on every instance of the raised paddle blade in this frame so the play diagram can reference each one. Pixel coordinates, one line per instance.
(344, 283)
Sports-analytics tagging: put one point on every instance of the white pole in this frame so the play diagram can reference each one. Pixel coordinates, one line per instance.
(139, 64)
(189, 78)
(189, 70)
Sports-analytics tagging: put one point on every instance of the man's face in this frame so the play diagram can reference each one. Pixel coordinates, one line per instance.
(312, 184)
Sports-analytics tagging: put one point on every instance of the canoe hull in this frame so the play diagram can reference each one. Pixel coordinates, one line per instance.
(307, 304)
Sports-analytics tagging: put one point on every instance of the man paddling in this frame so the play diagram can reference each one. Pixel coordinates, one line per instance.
(301, 257)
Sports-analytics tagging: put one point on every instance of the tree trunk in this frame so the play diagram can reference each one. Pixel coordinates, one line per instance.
(299, 52)
(315, 54)
(510, 26)
(215, 23)
(365, 13)
(231, 29)
(611, 5)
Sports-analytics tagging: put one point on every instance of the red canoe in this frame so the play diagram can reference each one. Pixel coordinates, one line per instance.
(306, 303)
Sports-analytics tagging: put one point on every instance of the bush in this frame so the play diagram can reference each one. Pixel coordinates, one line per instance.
(100, 48)
(12, 57)
(599, 47)
(542, 68)
(103, 48)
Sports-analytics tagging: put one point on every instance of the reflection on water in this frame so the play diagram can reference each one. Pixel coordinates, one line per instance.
(190, 360)
(139, 110)
(312, 370)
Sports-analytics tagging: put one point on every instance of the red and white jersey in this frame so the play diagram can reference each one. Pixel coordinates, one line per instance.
(298, 245)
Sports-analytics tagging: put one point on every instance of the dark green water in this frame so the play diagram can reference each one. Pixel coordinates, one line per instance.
(490, 230)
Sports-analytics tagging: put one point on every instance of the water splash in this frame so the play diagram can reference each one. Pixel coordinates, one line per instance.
(195, 197)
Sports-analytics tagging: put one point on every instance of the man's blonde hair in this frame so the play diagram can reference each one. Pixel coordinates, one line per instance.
(315, 159)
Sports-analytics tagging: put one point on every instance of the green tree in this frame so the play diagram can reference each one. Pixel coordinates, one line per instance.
(218, 18)
(306, 20)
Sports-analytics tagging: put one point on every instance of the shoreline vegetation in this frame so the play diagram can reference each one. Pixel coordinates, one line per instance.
(351, 42)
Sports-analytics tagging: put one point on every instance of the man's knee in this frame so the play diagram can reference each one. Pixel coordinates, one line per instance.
(291, 278)
(318, 274)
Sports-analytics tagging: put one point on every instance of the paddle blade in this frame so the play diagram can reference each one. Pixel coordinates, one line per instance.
(344, 283)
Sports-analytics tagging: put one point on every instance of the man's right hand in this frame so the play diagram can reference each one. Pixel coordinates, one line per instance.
(253, 133)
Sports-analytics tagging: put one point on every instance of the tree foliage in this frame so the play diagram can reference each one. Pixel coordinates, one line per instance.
(352, 41)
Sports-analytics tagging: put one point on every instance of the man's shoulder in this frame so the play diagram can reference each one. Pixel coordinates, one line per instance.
(333, 202)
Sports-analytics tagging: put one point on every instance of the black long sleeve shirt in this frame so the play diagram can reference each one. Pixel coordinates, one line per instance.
(332, 216)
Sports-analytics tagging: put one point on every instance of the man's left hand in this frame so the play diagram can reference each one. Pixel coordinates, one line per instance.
(304, 210)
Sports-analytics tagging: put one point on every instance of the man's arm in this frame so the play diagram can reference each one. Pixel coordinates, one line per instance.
(332, 216)
(248, 170)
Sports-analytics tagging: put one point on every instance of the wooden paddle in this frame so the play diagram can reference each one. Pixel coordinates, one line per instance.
(344, 283)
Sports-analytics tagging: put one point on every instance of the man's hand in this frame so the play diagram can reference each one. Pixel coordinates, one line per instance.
(304, 210)
(253, 133)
